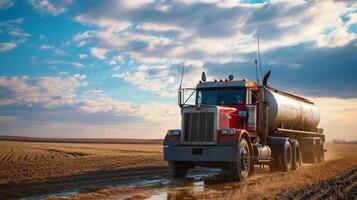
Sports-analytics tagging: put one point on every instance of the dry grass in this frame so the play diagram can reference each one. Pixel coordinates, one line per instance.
(106, 194)
(270, 184)
(73, 165)
(32, 162)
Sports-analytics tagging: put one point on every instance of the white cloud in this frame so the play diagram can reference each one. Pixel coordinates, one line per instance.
(134, 4)
(81, 56)
(5, 4)
(115, 60)
(5, 46)
(63, 73)
(12, 22)
(337, 37)
(53, 49)
(41, 37)
(98, 52)
(116, 68)
(82, 43)
(51, 92)
(83, 36)
(59, 95)
(46, 47)
(216, 29)
(19, 33)
(79, 76)
(163, 80)
(61, 62)
(11, 29)
(112, 62)
(54, 8)
(45, 91)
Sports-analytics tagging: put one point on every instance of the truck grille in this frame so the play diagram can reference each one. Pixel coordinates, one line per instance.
(199, 127)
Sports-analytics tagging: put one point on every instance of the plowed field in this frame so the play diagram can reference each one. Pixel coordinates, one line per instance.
(136, 171)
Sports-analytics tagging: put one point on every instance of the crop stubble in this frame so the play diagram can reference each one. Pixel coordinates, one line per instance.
(29, 168)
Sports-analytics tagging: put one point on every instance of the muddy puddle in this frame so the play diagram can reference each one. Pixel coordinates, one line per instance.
(196, 182)
(159, 187)
(167, 188)
(156, 186)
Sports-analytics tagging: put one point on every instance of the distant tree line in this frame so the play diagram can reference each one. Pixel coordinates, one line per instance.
(339, 141)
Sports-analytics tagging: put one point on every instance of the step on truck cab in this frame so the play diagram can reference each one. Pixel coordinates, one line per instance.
(236, 124)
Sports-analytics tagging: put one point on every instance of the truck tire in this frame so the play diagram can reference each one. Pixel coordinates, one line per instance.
(178, 170)
(308, 149)
(319, 151)
(322, 150)
(316, 152)
(284, 159)
(296, 155)
(240, 169)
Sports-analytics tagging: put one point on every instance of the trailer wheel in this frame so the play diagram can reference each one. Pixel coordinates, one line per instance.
(296, 155)
(309, 149)
(319, 151)
(284, 159)
(178, 170)
(239, 170)
(322, 154)
(316, 152)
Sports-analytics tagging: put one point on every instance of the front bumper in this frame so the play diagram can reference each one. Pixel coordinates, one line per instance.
(201, 153)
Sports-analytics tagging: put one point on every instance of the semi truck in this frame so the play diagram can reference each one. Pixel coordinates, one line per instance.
(237, 124)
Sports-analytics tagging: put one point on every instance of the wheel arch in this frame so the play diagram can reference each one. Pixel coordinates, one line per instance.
(242, 133)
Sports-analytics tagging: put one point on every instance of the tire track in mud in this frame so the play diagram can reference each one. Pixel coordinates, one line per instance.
(341, 186)
(94, 179)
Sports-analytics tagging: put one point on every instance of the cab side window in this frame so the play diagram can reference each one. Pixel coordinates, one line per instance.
(251, 97)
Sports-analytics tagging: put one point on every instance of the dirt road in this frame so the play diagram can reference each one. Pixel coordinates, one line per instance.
(41, 170)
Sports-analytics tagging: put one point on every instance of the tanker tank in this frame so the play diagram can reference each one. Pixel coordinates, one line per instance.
(291, 112)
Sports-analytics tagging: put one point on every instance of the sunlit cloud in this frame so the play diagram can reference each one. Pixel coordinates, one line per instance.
(76, 69)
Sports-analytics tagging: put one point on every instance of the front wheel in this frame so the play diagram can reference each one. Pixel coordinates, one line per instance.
(178, 170)
(239, 169)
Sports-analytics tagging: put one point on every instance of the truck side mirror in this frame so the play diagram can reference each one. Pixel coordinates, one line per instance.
(181, 99)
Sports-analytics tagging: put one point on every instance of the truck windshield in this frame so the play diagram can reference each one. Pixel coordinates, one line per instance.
(220, 96)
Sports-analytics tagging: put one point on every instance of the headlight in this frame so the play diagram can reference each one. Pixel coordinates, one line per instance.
(227, 131)
(174, 132)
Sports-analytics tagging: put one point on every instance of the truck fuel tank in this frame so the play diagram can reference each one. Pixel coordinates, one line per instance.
(291, 112)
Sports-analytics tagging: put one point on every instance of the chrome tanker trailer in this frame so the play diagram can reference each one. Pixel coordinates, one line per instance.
(236, 124)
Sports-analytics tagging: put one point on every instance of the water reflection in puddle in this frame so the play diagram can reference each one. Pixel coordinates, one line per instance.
(195, 182)
(161, 187)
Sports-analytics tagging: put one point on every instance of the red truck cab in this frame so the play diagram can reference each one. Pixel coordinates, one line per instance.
(229, 127)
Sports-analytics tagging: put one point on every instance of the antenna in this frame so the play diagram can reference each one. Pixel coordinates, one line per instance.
(256, 70)
(260, 61)
(183, 71)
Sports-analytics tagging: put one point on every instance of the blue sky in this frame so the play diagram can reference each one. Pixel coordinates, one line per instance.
(111, 68)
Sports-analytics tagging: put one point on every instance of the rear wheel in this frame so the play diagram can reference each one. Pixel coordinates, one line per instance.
(284, 159)
(178, 170)
(322, 154)
(316, 152)
(320, 151)
(296, 159)
(240, 169)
